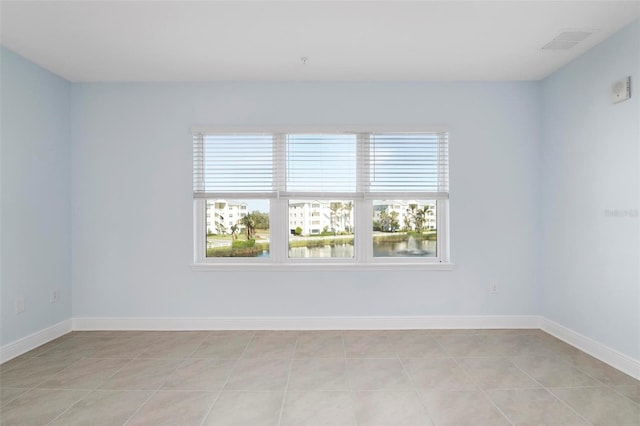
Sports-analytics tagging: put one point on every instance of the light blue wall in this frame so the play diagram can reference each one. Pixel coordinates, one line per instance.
(132, 199)
(555, 156)
(591, 166)
(36, 213)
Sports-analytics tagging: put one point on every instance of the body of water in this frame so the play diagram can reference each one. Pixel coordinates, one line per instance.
(380, 249)
(410, 248)
(339, 250)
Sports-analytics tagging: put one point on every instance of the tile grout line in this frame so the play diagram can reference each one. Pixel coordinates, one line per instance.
(568, 406)
(608, 385)
(59, 372)
(90, 391)
(42, 357)
(53, 347)
(286, 386)
(416, 392)
(603, 384)
(159, 340)
(625, 396)
(348, 377)
(25, 390)
(224, 385)
(28, 389)
(483, 392)
(554, 395)
(66, 409)
(159, 386)
(137, 409)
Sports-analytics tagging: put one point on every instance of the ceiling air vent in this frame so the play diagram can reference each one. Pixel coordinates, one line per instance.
(566, 40)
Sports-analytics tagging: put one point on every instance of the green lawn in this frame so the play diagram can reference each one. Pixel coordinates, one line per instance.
(260, 234)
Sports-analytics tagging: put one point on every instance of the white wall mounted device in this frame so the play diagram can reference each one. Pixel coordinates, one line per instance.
(621, 90)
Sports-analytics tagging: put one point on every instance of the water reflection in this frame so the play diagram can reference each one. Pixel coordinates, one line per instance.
(411, 248)
(328, 251)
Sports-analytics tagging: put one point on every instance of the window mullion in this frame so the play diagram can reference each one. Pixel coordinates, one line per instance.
(442, 224)
(279, 207)
(364, 227)
(200, 237)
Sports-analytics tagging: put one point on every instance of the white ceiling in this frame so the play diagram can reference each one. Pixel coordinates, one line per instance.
(264, 40)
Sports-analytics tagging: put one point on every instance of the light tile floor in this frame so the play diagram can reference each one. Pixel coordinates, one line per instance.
(299, 378)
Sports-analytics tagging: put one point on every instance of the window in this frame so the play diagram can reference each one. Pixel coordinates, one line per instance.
(356, 198)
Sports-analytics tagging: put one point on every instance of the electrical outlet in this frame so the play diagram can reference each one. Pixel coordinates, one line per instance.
(493, 288)
(19, 305)
(53, 297)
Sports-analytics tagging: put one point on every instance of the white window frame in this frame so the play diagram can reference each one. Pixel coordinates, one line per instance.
(279, 214)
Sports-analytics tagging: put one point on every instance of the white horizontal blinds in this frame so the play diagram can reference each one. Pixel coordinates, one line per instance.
(233, 166)
(320, 165)
(379, 165)
(415, 164)
(198, 163)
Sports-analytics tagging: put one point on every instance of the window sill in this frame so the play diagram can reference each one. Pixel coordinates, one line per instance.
(319, 267)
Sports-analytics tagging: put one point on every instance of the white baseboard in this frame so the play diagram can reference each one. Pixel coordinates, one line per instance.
(310, 323)
(32, 341)
(622, 362)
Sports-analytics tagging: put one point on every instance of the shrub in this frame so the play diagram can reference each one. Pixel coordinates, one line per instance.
(298, 231)
(237, 244)
(228, 251)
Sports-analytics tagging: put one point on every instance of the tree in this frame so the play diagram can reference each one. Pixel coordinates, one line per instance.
(220, 228)
(249, 225)
(428, 212)
(234, 232)
(393, 222)
(335, 208)
(261, 219)
(421, 217)
(383, 219)
(419, 220)
(411, 215)
(347, 216)
(389, 221)
(407, 222)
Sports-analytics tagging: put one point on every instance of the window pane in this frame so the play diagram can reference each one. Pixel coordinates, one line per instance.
(321, 163)
(321, 229)
(237, 228)
(404, 228)
(233, 163)
(409, 162)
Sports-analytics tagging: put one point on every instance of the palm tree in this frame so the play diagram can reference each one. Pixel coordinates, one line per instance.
(220, 228)
(412, 214)
(393, 221)
(385, 220)
(407, 222)
(420, 219)
(249, 225)
(347, 215)
(335, 208)
(234, 232)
